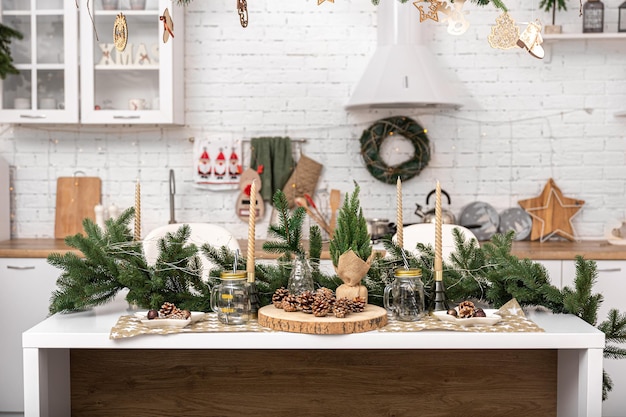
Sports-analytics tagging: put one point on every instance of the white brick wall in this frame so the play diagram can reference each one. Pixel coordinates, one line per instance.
(290, 73)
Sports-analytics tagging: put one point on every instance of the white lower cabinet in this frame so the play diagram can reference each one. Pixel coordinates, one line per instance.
(554, 271)
(27, 285)
(611, 283)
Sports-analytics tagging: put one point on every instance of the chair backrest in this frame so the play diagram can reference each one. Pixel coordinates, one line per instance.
(200, 234)
(425, 233)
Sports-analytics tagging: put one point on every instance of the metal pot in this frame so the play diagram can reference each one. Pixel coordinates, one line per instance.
(379, 228)
(447, 217)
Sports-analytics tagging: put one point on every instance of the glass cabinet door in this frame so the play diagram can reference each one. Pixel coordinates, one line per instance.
(46, 88)
(133, 84)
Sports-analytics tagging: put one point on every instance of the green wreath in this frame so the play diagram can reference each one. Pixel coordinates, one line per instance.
(372, 139)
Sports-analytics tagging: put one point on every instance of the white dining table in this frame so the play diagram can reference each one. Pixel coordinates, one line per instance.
(47, 345)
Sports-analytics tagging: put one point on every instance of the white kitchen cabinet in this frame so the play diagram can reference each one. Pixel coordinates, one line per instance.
(46, 88)
(144, 82)
(27, 285)
(611, 283)
(554, 271)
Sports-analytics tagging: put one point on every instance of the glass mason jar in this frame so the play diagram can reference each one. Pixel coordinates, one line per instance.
(301, 278)
(231, 298)
(404, 297)
(593, 16)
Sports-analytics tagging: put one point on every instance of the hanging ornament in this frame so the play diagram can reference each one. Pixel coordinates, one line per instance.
(330, 1)
(432, 10)
(168, 25)
(505, 34)
(531, 39)
(457, 23)
(120, 32)
(242, 9)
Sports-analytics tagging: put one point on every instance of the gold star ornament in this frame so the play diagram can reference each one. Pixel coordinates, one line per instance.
(322, 1)
(552, 213)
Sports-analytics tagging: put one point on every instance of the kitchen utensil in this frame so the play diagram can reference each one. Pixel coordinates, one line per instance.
(76, 198)
(447, 217)
(231, 298)
(172, 193)
(335, 202)
(407, 295)
(301, 202)
(319, 214)
(379, 228)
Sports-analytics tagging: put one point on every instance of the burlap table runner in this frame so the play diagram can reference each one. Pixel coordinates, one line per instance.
(513, 320)
(129, 326)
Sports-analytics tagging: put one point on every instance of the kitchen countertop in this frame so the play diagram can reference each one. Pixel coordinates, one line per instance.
(552, 250)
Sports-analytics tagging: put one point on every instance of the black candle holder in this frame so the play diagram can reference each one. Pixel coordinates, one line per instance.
(438, 299)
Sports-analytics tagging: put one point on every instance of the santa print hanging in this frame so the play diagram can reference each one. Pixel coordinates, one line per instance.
(217, 164)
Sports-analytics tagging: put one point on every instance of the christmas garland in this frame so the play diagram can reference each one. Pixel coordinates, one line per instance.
(375, 135)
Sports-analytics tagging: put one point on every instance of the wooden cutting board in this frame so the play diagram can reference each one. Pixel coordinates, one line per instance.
(372, 318)
(76, 199)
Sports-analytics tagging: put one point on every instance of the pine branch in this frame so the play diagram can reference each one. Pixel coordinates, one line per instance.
(351, 230)
(288, 230)
(315, 247)
(614, 327)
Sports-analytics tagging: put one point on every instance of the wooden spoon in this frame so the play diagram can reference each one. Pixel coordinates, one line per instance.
(335, 202)
(301, 202)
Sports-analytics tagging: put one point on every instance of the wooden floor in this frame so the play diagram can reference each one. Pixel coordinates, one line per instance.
(301, 383)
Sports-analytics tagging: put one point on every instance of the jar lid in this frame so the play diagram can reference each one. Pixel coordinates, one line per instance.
(234, 275)
(402, 272)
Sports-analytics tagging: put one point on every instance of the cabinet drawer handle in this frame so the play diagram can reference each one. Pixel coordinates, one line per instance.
(610, 270)
(126, 117)
(20, 268)
(32, 116)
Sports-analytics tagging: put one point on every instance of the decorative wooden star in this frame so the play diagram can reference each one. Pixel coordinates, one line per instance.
(433, 8)
(322, 1)
(552, 213)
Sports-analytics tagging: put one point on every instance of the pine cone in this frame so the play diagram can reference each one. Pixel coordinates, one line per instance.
(466, 309)
(290, 303)
(305, 302)
(167, 309)
(278, 296)
(357, 305)
(180, 314)
(321, 307)
(342, 307)
(324, 292)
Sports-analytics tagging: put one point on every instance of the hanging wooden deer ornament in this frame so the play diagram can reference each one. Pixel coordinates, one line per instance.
(168, 25)
(243, 201)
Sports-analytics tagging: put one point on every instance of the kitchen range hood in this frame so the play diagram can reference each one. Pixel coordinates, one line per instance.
(403, 73)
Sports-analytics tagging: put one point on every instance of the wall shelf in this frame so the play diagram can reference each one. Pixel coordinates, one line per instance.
(582, 36)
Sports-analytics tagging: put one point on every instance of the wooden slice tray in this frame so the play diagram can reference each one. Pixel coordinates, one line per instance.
(372, 318)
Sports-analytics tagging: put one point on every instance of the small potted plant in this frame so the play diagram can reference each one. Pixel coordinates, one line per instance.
(552, 5)
(351, 248)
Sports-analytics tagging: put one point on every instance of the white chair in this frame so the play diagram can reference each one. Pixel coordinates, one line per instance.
(200, 234)
(425, 233)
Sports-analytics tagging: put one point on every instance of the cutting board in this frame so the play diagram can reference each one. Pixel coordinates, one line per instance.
(76, 199)
(372, 318)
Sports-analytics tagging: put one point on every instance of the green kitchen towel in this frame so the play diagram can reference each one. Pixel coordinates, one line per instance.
(274, 153)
